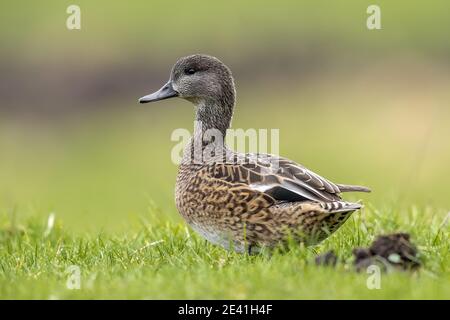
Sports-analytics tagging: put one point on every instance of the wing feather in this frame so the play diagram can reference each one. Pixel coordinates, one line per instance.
(280, 178)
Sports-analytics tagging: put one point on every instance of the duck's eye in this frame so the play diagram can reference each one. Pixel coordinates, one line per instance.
(190, 71)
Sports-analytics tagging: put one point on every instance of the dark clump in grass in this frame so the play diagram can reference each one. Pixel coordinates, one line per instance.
(394, 250)
(329, 258)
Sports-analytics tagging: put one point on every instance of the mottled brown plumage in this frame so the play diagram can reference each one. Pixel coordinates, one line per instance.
(242, 201)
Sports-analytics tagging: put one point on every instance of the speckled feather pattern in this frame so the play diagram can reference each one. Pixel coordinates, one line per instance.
(230, 213)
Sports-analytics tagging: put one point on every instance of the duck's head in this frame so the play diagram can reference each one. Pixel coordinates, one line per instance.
(201, 79)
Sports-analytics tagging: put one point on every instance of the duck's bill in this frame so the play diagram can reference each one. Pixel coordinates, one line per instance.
(166, 92)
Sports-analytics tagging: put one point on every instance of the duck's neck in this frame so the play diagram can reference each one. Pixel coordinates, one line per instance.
(213, 116)
(212, 120)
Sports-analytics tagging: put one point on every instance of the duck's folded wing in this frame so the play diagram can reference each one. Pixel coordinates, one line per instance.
(280, 178)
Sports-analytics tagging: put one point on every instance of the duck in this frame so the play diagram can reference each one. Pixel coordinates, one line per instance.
(244, 202)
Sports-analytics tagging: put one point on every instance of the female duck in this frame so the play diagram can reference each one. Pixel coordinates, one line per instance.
(243, 201)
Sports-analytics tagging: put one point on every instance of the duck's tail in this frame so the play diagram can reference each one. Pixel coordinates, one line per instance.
(340, 206)
(350, 188)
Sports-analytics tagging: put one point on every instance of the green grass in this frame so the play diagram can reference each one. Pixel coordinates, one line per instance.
(163, 260)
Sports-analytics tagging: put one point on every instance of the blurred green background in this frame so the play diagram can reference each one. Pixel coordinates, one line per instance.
(354, 105)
